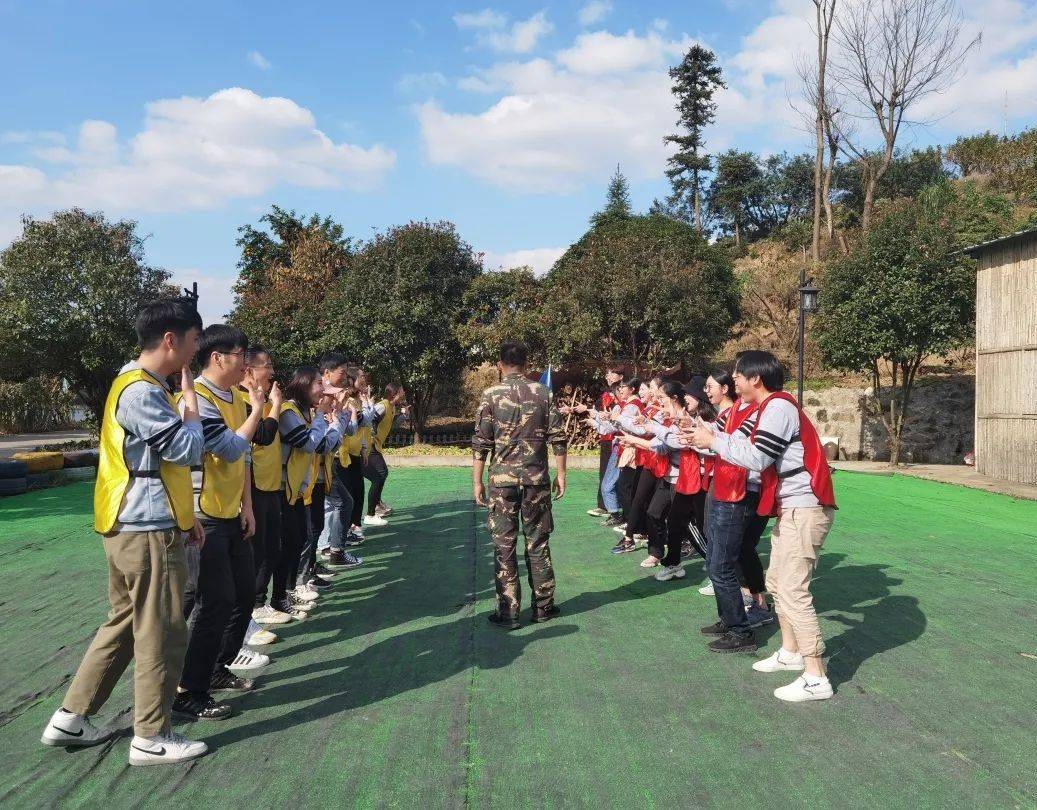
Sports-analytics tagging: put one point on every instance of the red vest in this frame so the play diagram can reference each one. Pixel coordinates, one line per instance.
(694, 474)
(813, 460)
(658, 464)
(607, 401)
(729, 479)
(642, 457)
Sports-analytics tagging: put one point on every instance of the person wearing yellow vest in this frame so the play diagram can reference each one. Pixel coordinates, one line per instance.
(383, 420)
(334, 522)
(354, 453)
(142, 507)
(220, 599)
(266, 493)
(310, 424)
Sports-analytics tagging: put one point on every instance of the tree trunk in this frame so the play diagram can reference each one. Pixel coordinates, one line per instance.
(698, 209)
(738, 234)
(870, 182)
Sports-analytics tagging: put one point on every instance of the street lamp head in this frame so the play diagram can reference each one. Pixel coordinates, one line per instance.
(808, 297)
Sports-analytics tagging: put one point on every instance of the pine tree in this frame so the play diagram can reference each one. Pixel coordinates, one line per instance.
(617, 201)
(695, 80)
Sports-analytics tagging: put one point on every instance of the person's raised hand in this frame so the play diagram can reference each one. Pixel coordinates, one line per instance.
(702, 436)
(256, 397)
(276, 399)
(189, 395)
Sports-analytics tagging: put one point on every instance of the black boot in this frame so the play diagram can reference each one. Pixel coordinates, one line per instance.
(552, 612)
(507, 622)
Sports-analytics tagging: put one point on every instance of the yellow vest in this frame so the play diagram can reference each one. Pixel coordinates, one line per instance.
(298, 463)
(266, 461)
(351, 444)
(113, 474)
(223, 481)
(385, 425)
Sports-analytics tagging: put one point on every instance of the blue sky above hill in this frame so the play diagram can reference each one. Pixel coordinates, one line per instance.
(508, 119)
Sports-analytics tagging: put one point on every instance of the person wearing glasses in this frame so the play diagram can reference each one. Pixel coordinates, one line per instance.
(221, 590)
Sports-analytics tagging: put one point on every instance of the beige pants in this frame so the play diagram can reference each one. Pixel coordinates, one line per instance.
(796, 539)
(147, 572)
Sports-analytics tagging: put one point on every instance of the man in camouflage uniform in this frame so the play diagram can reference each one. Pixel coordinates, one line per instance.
(515, 422)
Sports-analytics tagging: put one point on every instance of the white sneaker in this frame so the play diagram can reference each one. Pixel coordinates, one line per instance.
(596, 512)
(375, 520)
(165, 749)
(640, 541)
(707, 589)
(671, 572)
(781, 661)
(248, 664)
(621, 528)
(307, 593)
(261, 638)
(802, 690)
(268, 615)
(68, 729)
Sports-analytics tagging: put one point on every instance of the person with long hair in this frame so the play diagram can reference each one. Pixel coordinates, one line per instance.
(647, 470)
(385, 413)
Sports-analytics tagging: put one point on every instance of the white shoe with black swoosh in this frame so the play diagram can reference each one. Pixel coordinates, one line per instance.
(66, 729)
(165, 749)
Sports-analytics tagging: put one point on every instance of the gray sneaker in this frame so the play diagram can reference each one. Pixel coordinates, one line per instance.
(757, 616)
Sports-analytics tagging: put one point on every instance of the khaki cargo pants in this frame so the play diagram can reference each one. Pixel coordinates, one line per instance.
(147, 572)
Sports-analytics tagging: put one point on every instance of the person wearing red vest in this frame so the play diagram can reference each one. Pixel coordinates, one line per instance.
(644, 476)
(795, 487)
(606, 402)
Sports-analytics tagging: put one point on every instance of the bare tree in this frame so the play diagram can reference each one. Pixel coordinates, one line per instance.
(892, 54)
(824, 12)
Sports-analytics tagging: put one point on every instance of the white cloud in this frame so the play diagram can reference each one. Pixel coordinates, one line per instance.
(256, 59)
(492, 30)
(602, 52)
(215, 293)
(421, 84)
(540, 260)
(594, 12)
(192, 153)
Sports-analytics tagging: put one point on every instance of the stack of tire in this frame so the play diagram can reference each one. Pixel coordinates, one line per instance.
(13, 477)
(43, 468)
(81, 465)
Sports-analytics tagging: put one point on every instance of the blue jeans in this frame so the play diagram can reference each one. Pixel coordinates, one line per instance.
(338, 511)
(726, 524)
(609, 480)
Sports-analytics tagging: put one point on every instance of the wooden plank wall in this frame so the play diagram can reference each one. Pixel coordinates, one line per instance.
(1006, 362)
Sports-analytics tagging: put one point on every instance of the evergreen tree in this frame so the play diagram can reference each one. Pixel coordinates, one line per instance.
(695, 80)
(617, 201)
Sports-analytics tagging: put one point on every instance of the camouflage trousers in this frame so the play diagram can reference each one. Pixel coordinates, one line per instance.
(533, 505)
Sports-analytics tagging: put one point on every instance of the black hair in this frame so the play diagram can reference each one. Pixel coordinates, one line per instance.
(218, 337)
(673, 389)
(514, 354)
(298, 388)
(634, 384)
(758, 363)
(705, 410)
(391, 390)
(176, 315)
(332, 361)
(658, 379)
(725, 380)
(253, 352)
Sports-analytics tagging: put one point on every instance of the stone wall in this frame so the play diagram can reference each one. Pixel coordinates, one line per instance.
(940, 428)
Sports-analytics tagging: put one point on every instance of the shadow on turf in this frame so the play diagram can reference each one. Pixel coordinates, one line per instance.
(883, 620)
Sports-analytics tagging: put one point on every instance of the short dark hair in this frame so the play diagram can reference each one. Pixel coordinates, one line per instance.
(332, 361)
(633, 383)
(672, 389)
(758, 363)
(514, 354)
(219, 337)
(176, 315)
(724, 379)
(253, 352)
(298, 388)
(391, 390)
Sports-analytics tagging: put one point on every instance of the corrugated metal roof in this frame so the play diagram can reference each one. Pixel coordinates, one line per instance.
(973, 250)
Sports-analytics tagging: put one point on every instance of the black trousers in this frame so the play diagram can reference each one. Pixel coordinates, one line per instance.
(222, 602)
(314, 526)
(625, 487)
(293, 537)
(750, 568)
(604, 454)
(376, 472)
(669, 513)
(266, 545)
(355, 481)
(637, 517)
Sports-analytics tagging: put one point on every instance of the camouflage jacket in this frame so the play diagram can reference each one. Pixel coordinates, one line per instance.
(515, 422)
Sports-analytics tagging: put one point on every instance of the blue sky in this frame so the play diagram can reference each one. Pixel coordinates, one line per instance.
(507, 119)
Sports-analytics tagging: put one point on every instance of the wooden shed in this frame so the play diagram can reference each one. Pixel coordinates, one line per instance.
(1006, 357)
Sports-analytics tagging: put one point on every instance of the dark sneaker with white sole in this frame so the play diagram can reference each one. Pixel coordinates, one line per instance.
(343, 559)
(223, 680)
(718, 629)
(731, 643)
(200, 706)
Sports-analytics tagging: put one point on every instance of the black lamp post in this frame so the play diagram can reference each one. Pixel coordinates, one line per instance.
(807, 304)
(192, 294)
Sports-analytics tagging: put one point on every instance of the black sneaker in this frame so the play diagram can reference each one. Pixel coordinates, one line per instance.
(718, 629)
(285, 606)
(200, 707)
(507, 622)
(352, 541)
(731, 643)
(319, 583)
(223, 680)
(343, 559)
(687, 552)
(540, 616)
(612, 521)
(624, 546)
(320, 569)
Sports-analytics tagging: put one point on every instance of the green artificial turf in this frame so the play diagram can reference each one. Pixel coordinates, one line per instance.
(398, 693)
